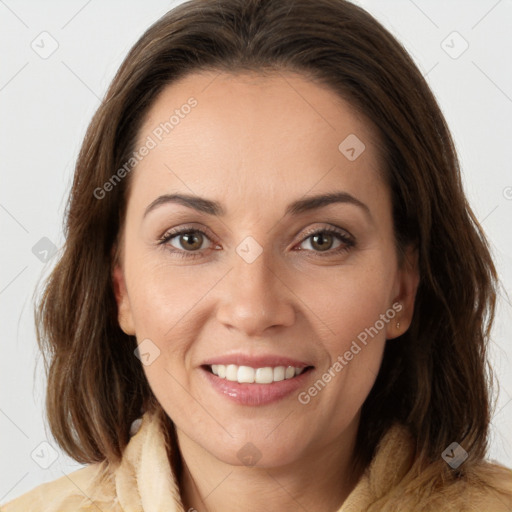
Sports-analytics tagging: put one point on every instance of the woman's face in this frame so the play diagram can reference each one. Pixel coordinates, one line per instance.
(264, 282)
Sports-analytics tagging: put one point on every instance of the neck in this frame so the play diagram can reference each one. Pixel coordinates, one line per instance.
(320, 481)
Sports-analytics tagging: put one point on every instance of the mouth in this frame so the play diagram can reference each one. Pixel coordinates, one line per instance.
(256, 379)
(249, 375)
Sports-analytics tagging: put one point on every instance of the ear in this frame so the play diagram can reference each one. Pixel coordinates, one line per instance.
(124, 310)
(406, 286)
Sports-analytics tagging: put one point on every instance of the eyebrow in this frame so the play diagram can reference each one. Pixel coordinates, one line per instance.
(211, 207)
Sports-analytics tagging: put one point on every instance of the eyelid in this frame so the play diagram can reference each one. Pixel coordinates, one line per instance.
(347, 239)
(329, 228)
(185, 229)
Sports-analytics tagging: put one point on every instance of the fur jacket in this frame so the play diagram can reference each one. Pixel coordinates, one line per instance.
(144, 481)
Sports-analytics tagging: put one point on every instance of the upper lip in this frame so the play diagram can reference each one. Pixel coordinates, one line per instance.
(254, 361)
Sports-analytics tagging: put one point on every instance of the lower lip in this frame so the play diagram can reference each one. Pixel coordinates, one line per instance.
(256, 394)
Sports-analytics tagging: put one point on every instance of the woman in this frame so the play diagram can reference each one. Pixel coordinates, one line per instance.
(273, 294)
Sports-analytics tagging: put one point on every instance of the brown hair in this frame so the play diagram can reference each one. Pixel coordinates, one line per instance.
(433, 378)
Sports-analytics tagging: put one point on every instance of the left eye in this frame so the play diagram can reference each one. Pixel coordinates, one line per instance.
(322, 241)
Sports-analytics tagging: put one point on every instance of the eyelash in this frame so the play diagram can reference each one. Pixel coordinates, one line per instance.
(347, 241)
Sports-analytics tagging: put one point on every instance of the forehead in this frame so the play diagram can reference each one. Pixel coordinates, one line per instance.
(249, 134)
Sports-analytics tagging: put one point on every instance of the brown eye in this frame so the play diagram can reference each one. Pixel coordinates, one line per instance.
(191, 241)
(322, 241)
(185, 241)
(329, 241)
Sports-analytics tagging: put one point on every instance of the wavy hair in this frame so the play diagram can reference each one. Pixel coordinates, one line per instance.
(434, 378)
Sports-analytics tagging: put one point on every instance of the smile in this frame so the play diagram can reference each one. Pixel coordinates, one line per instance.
(249, 375)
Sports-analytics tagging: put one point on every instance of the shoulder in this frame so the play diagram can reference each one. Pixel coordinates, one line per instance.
(481, 486)
(85, 489)
(491, 487)
(396, 480)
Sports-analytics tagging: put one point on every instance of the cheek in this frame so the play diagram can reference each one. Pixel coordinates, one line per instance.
(352, 323)
(163, 296)
(169, 306)
(349, 300)
(352, 311)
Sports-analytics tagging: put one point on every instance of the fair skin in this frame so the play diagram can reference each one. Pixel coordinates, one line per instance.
(255, 144)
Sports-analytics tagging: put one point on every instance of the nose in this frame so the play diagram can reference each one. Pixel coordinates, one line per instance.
(254, 297)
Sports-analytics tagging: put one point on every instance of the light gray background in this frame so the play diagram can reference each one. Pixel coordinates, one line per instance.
(47, 103)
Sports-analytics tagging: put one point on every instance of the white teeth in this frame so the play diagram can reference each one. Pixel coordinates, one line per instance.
(231, 372)
(279, 372)
(264, 375)
(246, 374)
